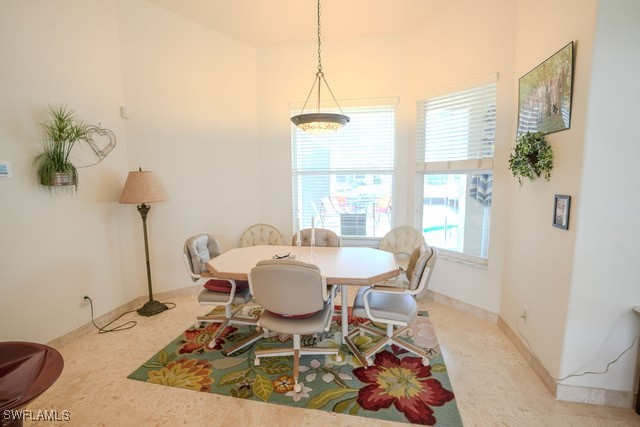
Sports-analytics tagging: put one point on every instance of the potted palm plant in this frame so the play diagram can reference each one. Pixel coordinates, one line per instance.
(61, 132)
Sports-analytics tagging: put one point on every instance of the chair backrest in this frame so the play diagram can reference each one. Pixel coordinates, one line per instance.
(383, 204)
(198, 250)
(423, 259)
(324, 237)
(261, 234)
(288, 287)
(401, 241)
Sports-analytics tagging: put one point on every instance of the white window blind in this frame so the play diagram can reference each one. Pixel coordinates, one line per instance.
(457, 126)
(345, 179)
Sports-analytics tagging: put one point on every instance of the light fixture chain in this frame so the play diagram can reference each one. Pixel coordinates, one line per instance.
(316, 123)
(319, 42)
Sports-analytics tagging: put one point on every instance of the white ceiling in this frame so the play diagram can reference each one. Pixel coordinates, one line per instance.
(263, 23)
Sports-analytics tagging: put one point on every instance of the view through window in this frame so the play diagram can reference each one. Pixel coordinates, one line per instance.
(345, 179)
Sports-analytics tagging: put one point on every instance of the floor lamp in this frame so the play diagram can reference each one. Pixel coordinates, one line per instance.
(141, 188)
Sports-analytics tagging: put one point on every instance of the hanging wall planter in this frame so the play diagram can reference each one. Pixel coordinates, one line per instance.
(532, 157)
(59, 179)
(61, 132)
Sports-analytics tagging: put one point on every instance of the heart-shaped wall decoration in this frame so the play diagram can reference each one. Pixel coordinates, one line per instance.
(101, 141)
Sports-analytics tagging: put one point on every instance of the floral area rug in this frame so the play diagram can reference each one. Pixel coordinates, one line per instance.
(396, 388)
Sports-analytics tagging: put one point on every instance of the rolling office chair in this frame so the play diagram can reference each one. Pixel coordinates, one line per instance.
(296, 301)
(261, 234)
(197, 251)
(393, 306)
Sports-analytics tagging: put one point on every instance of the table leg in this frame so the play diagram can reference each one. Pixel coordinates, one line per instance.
(344, 312)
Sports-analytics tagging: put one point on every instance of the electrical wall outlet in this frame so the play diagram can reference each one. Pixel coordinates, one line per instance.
(84, 299)
(525, 312)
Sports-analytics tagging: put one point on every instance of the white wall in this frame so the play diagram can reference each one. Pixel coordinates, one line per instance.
(606, 281)
(465, 41)
(191, 93)
(58, 246)
(538, 264)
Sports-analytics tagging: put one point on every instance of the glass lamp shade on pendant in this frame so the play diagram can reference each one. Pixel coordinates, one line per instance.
(319, 123)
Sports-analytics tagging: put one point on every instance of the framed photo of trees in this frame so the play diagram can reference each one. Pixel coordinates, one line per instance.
(544, 95)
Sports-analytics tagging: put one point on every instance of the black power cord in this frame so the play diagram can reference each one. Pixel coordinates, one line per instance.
(575, 373)
(127, 325)
(101, 330)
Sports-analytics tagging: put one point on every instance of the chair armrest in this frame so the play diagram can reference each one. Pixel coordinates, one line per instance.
(389, 289)
(194, 277)
(398, 289)
(422, 284)
(331, 301)
(232, 292)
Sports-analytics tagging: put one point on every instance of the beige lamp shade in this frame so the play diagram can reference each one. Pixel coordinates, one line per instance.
(142, 187)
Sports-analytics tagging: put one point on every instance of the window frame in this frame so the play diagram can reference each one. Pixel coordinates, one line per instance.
(465, 166)
(350, 107)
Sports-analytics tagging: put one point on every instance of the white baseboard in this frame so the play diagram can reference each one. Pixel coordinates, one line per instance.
(596, 396)
(569, 393)
(111, 315)
(462, 306)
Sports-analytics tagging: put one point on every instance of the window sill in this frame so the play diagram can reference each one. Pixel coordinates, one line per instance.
(370, 242)
(462, 258)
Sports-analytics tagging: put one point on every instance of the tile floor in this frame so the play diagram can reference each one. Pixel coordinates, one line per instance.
(493, 384)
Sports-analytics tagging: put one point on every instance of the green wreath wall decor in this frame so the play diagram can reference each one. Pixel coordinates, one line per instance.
(531, 155)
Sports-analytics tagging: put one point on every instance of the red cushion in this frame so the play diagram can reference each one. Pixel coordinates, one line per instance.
(291, 316)
(217, 285)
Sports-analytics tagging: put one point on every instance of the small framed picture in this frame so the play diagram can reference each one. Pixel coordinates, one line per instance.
(5, 170)
(561, 207)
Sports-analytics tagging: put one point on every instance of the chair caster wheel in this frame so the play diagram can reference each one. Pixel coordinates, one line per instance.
(256, 362)
(211, 345)
(425, 361)
(197, 325)
(297, 388)
(338, 358)
(361, 333)
(369, 362)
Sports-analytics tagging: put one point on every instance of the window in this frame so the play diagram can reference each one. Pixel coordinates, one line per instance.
(455, 145)
(345, 179)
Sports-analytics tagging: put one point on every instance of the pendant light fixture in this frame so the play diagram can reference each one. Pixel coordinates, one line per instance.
(318, 123)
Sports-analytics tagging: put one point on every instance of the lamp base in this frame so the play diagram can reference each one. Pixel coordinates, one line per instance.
(152, 307)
